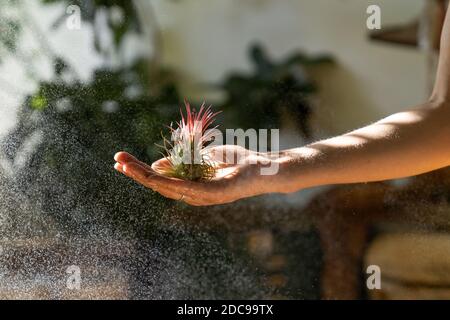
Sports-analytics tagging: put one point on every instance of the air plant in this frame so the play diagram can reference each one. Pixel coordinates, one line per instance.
(186, 152)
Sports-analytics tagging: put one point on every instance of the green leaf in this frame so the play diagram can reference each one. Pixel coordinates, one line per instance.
(38, 102)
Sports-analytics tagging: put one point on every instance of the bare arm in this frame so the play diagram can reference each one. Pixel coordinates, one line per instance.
(441, 90)
(404, 144)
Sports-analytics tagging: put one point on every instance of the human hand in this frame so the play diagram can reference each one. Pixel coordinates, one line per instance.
(237, 176)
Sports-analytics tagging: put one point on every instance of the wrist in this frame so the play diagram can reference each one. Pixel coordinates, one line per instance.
(295, 170)
(275, 176)
(286, 180)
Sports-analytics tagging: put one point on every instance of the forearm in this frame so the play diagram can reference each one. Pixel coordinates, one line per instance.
(404, 144)
(441, 90)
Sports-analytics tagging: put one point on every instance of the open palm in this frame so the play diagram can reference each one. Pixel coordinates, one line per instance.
(237, 176)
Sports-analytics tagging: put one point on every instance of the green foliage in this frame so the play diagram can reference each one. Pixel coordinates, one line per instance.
(38, 102)
(256, 100)
(81, 126)
(70, 178)
(9, 32)
(78, 126)
(128, 20)
(10, 29)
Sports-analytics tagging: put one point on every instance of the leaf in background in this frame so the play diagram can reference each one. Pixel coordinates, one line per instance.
(258, 99)
(122, 17)
(9, 32)
(38, 102)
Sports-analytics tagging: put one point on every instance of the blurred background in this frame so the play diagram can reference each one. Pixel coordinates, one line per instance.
(73, 95)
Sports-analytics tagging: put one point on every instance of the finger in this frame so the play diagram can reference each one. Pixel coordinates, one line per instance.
(160, 188)
(138, 173)
(124, 157)
(169, 193)
(119, 167)
(151, 174)
(194, 201)
(163, 191)
(150, 178)
(161, 165)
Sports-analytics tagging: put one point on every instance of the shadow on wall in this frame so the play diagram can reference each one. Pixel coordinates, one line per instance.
(340, 92)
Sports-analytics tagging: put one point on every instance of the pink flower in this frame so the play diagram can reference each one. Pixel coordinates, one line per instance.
(186, 154)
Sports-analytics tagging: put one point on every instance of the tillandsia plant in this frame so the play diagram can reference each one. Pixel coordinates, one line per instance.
(186, 153)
